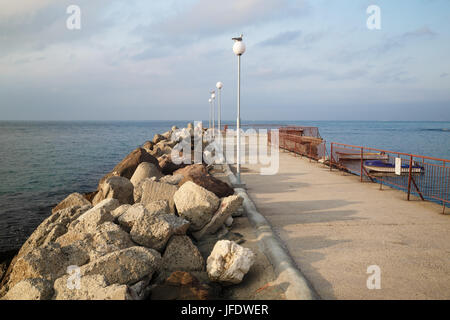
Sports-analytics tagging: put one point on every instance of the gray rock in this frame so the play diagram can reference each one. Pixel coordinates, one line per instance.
(152, 191)
(126, 266)
(227, 207)
(30, 289)
(182, 255)
(151, 231)
(195, 204)
(115, 187)
(143, 171)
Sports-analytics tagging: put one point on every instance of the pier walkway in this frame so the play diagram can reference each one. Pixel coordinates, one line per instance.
(335, 227)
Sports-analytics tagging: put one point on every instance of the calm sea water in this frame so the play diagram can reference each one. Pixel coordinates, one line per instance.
(42, 162)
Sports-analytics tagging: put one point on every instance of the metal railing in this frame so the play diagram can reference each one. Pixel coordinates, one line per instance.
(422, 176)
(304, 141)
(425, 177)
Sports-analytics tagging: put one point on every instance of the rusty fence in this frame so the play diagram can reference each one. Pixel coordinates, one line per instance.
(303, 141)
(425, 177)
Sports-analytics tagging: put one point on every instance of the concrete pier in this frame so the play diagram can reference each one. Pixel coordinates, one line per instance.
(335, 227)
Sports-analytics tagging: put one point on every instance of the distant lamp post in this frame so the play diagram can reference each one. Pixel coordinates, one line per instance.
(213, 97)
(238, 49)
(219, 86)
(210, 112)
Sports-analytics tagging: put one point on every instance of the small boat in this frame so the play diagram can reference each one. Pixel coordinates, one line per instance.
(381, 167)
(366, 156)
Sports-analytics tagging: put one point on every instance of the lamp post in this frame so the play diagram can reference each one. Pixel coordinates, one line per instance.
(238, 49)
(219, 86)
(210, 112)
(213, 97)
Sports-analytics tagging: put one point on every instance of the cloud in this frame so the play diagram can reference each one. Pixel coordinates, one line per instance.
(282, 38)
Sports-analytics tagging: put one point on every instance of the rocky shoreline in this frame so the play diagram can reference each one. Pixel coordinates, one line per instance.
(137, 236)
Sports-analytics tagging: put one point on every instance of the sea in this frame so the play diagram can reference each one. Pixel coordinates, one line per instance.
(43, 162)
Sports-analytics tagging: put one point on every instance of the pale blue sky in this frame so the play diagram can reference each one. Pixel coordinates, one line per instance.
(155, 60)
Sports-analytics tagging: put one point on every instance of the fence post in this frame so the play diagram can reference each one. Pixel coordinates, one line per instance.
(410, 176)
(362, 160)
(331, 157)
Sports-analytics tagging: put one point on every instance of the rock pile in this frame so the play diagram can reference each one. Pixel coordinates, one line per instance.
(141, 222)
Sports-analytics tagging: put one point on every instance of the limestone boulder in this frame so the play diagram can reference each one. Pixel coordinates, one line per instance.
(195, 204)
(153, 191)
(179, 225)
(198, 174)
(143, 171)
(128, 165)
(108, 238)
(125, 266)
(115, 187)
(148, 146)
(47, 262)
(158, 207)
(157, 138)
(229, 262)
(52, 227)
(137, 192)
(74, 199)
(227, 207)
(167, 165)
(172, 179)
(116, 213)
(182, 255)
(30, 289)
(133, 214)
(151, 231)
(90, 287)
(90, 220)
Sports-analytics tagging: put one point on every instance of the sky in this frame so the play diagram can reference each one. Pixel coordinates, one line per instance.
(158, 60)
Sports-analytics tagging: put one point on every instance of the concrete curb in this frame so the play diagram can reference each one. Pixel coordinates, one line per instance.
(297, 286)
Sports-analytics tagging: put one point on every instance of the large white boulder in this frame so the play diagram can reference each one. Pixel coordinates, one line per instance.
(229, 262)
(195, 204)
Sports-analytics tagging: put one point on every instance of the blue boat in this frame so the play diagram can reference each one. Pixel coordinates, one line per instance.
(381, 167)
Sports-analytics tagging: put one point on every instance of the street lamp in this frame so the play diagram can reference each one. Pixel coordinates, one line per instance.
(213, 97)
(238, 49)
(210, 112)
(219, 86)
